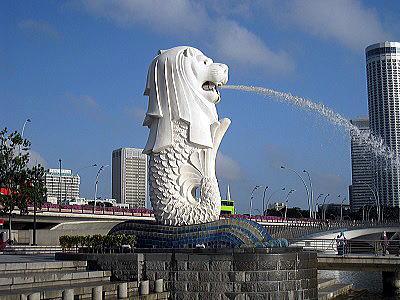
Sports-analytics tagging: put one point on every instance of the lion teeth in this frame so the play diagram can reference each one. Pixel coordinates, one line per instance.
(209, 86)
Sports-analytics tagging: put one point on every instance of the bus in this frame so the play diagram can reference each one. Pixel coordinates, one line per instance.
(227, 207)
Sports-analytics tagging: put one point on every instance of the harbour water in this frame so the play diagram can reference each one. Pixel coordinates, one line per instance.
(372, 281)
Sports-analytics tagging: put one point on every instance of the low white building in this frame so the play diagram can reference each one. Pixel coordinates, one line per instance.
(276, 206)
(99, 202)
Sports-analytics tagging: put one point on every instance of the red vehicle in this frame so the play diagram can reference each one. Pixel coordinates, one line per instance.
(4, 191)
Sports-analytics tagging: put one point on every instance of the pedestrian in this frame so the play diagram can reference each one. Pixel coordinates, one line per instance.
(341, 243)
(384, 243)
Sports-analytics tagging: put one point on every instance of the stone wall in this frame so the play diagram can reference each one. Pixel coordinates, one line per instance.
(258, 273)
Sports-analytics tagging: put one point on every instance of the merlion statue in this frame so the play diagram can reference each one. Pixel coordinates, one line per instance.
(184, 137)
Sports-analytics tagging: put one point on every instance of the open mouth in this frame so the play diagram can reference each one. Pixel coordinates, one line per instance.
(211, 86)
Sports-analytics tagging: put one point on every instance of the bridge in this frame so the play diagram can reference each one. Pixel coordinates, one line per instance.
(299, 232)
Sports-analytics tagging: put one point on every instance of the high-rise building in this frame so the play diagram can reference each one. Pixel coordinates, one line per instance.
(61, 188)
(129, 177)
(383, 76)
(361, 174)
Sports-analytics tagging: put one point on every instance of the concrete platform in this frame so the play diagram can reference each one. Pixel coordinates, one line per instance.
(358, 262)
(332, 291)
(325, 282)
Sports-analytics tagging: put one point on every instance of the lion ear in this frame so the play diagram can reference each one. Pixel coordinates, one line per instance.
(186, 52)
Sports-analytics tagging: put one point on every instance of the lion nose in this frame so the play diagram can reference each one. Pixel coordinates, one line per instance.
(224, 67)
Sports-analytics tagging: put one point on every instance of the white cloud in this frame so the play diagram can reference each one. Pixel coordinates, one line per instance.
(37, 27)
(346, 21)
(240, 45)
(183, 17)
(161, 15)
(89, 106)
(35, 158)
(227, 168)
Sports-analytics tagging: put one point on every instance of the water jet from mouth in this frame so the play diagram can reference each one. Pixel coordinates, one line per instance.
(377, 144)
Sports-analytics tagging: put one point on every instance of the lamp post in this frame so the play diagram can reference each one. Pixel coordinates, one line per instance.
(251, 198)
(59, 201)
(95, 185)
(323, 207)
(34, 221)
(341, 209)
(274, 192)
(286, 201)
(22, 131)
(311, 192)
(363, 212)
(23, 127)
(305, 186)
(263, 208)
(376, 196)
(316, 205)
(80, 169)
(77, 174)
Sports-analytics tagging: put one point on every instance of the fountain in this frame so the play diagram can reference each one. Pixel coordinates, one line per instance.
(182, 145)
(376, 144)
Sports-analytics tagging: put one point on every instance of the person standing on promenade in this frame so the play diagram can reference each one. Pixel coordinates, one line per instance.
(340, 243)
(384, 243)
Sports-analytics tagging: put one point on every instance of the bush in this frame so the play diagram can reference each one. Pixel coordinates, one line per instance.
(96, 242)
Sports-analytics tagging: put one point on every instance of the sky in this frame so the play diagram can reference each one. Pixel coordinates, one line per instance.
(78, 69)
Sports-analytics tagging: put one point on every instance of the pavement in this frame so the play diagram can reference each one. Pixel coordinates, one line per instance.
(14, 258)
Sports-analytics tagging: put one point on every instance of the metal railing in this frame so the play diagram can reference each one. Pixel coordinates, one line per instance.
(293, 231)
(86, 209)
(335, 246)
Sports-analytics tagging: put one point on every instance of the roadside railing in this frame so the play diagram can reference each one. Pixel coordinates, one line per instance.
(337, 246)
(293, 230)
(86, 209)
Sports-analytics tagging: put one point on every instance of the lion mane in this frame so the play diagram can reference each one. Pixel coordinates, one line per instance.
(173, 97)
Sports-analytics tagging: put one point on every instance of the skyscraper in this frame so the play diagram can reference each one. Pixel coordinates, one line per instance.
(61, 188)
(129, 177)
(383, 75)
(361, 174)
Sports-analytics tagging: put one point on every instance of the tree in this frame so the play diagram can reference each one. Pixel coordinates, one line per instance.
(35, 191)
(23, 185)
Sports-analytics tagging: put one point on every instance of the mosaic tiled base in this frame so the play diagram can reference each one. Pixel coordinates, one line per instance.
(229, 233)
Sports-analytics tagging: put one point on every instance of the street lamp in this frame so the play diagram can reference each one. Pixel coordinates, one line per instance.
(251, 198)
(311, 191)
(341, 209)
(22, 132)
(323, 206)
(59, 201)
(263, 208)
(286, 201)
(23, 127)
(305, 186)
(77, 174)
(274, 192)
(316, 205)
(96, 183)
(80, 169)
(376, 196)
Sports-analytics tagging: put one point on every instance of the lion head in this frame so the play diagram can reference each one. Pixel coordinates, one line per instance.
(182, 85)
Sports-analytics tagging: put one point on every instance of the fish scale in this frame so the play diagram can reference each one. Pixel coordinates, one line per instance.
(164, 171)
